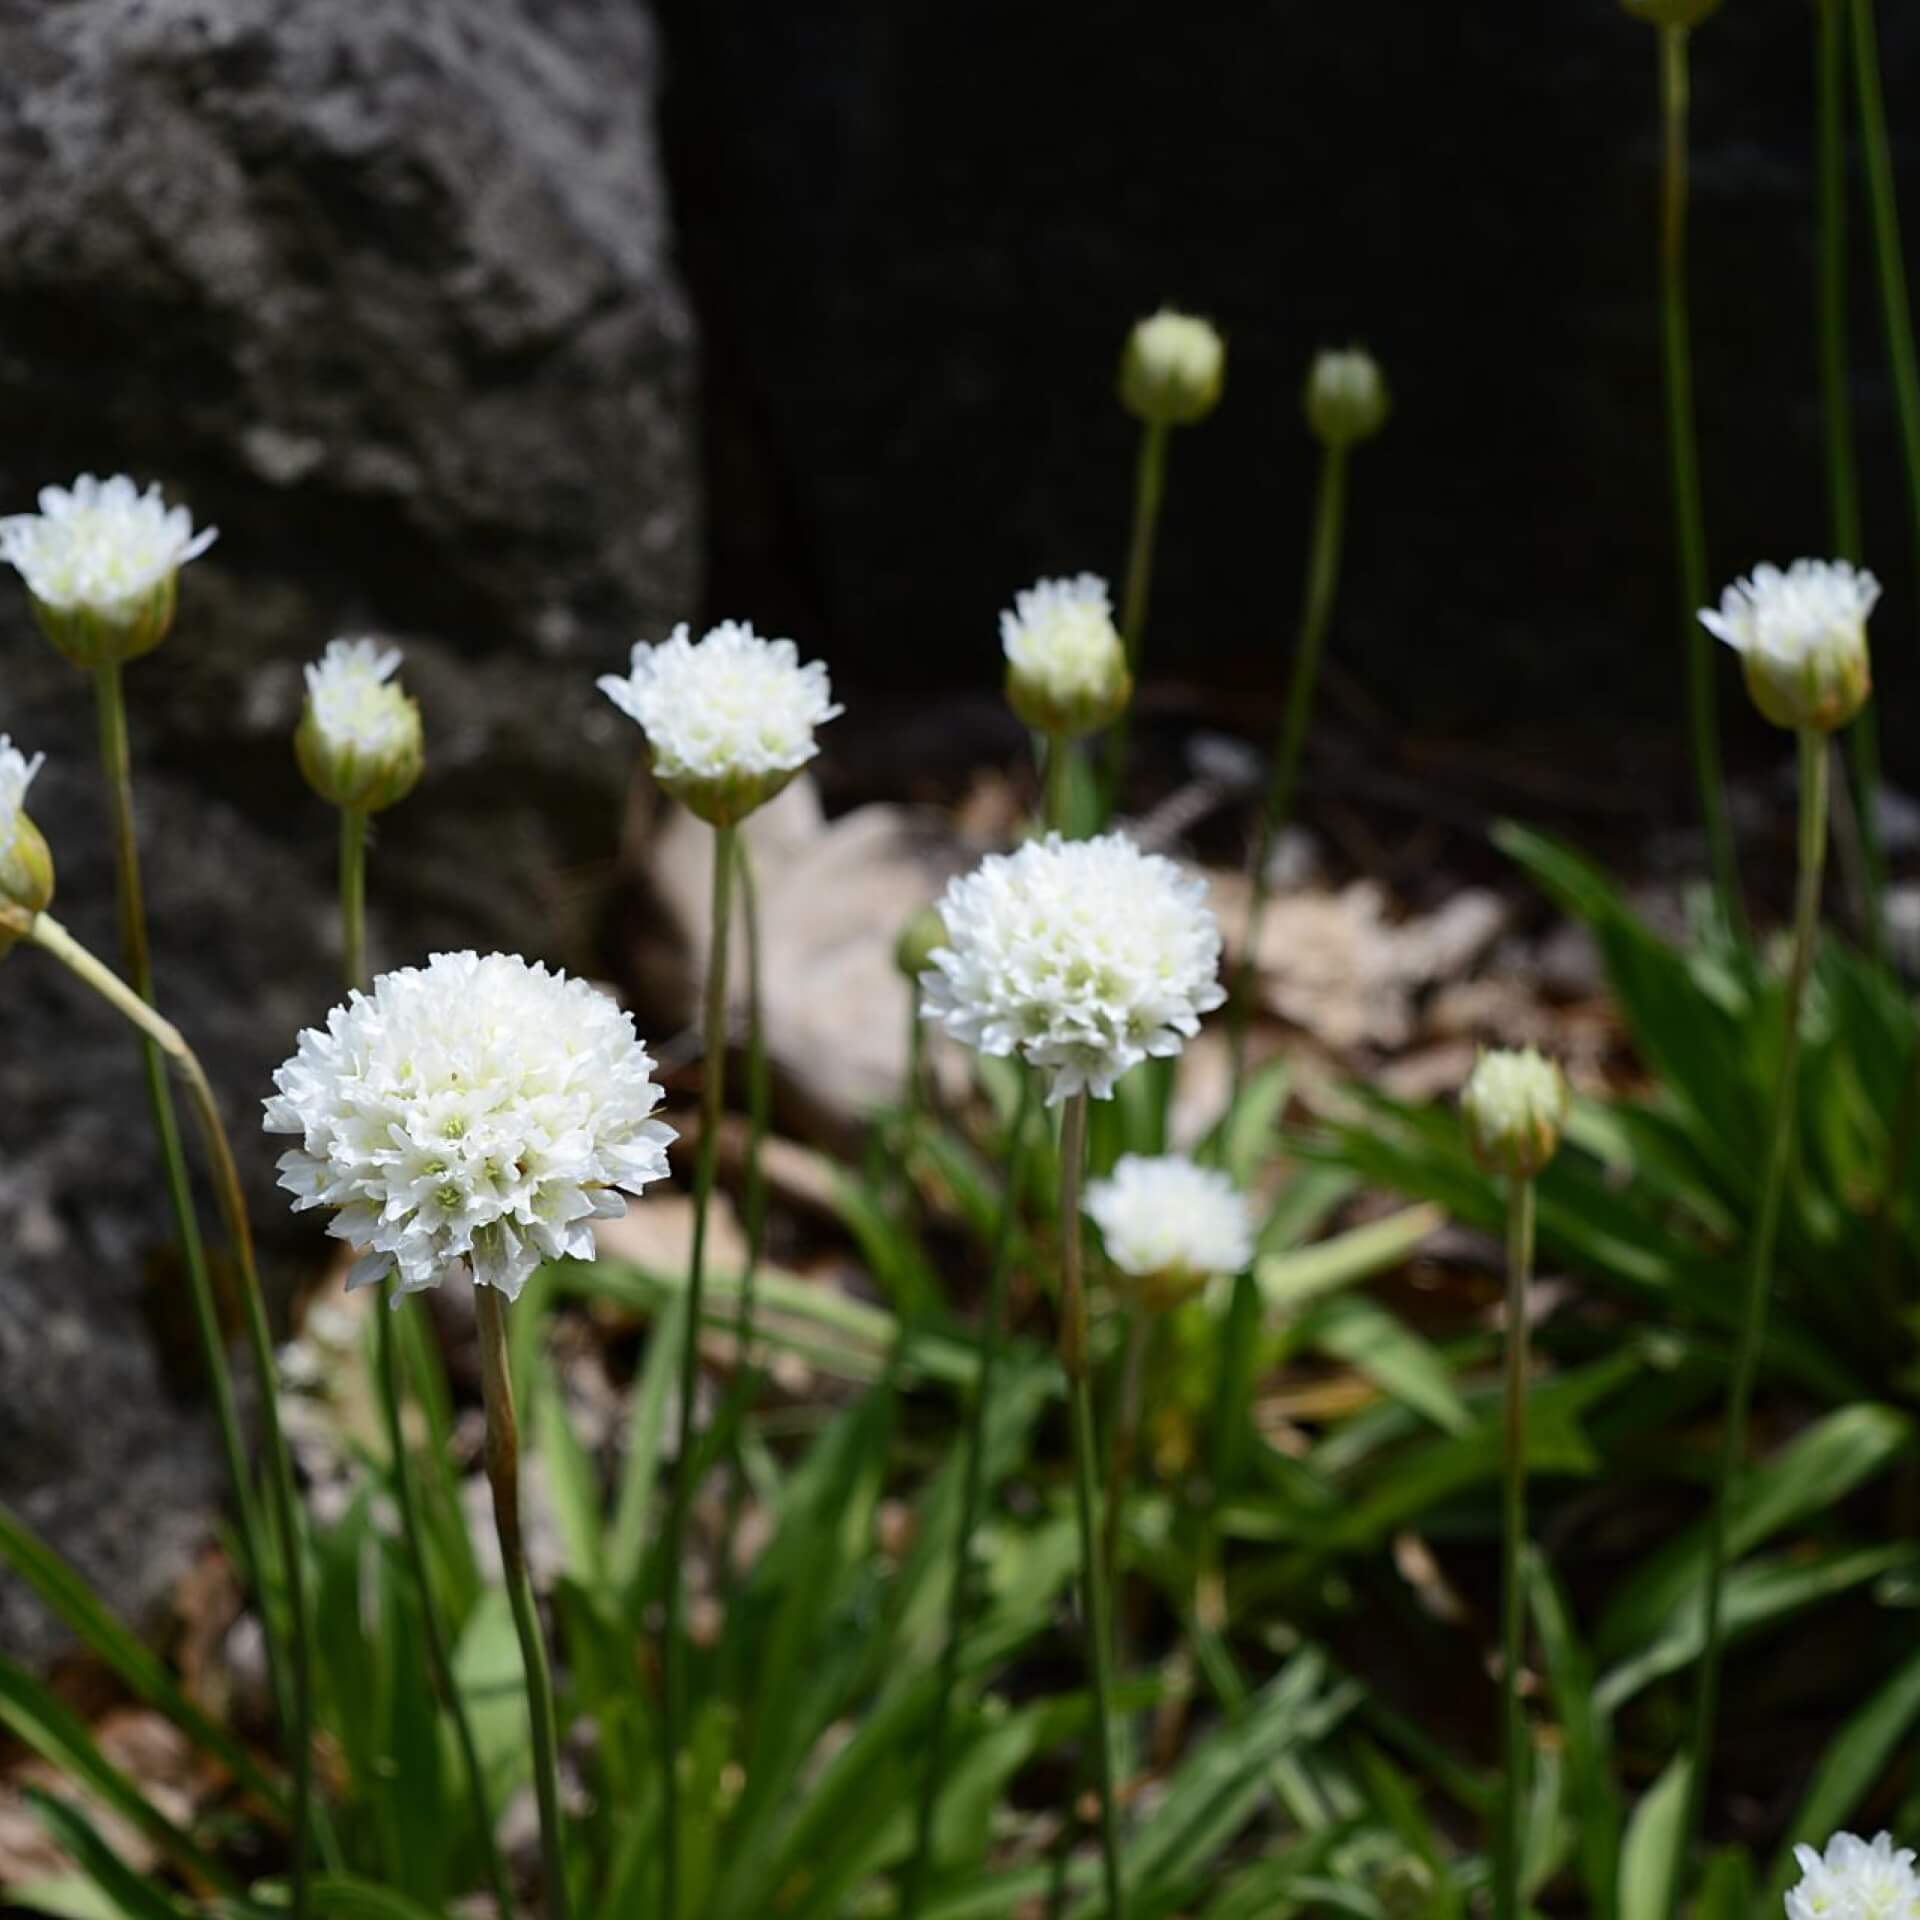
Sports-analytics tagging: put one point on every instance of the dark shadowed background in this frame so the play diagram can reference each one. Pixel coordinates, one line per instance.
(520, 329)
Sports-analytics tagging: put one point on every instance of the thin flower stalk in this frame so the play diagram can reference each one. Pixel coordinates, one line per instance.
(353, 921)
(673, 1718)
(1074, 1360)
(972, 1491)
(1323, 580)
(47, 932)
(503, 1477)
(1510, 1855)
(1684, 461)
(1149, 491)
(1814, 764)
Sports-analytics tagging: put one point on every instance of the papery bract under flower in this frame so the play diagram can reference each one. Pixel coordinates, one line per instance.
(470, 1116)
(359, 741)
(1170, 1224)
(728, 721)
(1855, 1880)
(1084, 956)
(1802, 640)
(101, 560)
(1066, 663)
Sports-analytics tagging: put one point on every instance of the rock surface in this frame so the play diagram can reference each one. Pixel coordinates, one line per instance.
(385, 291)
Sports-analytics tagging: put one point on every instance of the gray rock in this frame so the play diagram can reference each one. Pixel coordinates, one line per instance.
(385, 291)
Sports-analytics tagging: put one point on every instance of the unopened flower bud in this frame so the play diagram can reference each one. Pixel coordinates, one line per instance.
(1066, 663)
(1671, 13)
(1802, 640)
(26, 867)
(359, 741)
(1173, 369)
(1514, 1105)
(729, 722)
(920, 939)
(1346, 397)
(101, 561)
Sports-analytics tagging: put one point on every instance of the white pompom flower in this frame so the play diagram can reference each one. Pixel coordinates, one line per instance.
(1170, 1224)
(359, 741)
(26, 867)
(1084, 956)
(1802, 640)
(473, 1116)
(101, 561)
(728, 721)
(1066, 663)
(1853, 1880)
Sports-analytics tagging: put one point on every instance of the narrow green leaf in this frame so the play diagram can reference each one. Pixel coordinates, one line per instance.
(646, 1433)
(573, 1487)
(1388, 1352)
(1288, 1279)
(1655, 1836)
(135, 1897)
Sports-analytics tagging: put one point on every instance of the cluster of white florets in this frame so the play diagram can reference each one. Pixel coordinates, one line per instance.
(1170, 1223)
(728, 721)
(470, 1116)
(1084, 956)
(359, 743)
(1802, 639)
(1855, 1880)
(16, 776)
(99, 559)
(1515, 1105)
(1066, 663)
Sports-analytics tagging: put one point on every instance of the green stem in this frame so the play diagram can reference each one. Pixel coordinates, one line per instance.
(1684, 457)
(439, 1659)
(353, 896)
(1316, 611)
(1059, 748)
(1086, 1471)
(47, 933)
(972, 1487)
(1887, 254)
(1125, 1439)
(1509, 1854)
(1806, 926)
(1843, 485)
(673, 1717)
(503, 1476)
(115, 760)
(759, 1109)
(1149, 489)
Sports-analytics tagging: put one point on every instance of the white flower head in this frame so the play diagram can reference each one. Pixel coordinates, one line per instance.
(1853, 1880)
(1083, 956)
(26, 868)
(101, 560)
(469, 1116)
(1802, 639)
(1066, 663)
(730, 721)
(1514, 1105)
(1346, 396)
(1171, 1224)
(1173, 369)
(359, 742)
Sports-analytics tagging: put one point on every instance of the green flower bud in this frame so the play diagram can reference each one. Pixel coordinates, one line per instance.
(1173, 369)
(1346, 397)
(26, 867)
(1514, 1105)
(1802, 640)
(359, 739)
(913, 951)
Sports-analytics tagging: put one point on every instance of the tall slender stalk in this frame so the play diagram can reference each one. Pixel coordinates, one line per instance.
(1684, 458)
(759, 1109)
(1059, 753)
(503, 1476)
(353, 948)
(673, 1547)
(1149, 489)
(1086, 1471)
(1814, 763)
(116, 765)
(1123, 1443)
(972, 1487)
(1889, 264)
(166, 1039)
(1513, 1599)
(1316, 611)
(1843, 485)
